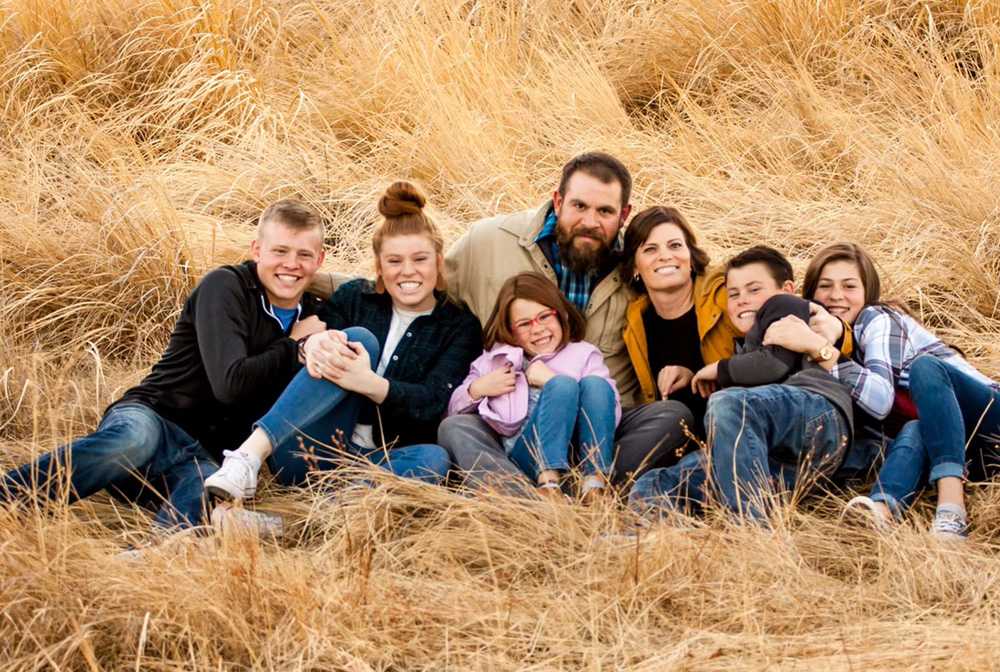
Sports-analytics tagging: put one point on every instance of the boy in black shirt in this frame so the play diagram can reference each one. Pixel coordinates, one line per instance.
(230, 355)
(780, 419)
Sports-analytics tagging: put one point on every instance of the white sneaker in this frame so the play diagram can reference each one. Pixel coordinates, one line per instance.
(863, 508)
(236, 478)
(229, 520)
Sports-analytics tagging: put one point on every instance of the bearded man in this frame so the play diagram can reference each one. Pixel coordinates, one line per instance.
(573, 238)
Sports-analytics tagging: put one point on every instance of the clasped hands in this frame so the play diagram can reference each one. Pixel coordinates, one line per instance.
(331, 356)
(501, 380)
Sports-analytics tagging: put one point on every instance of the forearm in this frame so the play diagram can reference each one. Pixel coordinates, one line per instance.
(754, 368)
(375, 387)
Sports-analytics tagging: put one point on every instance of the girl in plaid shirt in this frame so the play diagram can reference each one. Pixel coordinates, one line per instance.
(901, 372)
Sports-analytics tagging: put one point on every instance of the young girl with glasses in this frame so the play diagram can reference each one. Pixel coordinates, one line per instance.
(543, 389)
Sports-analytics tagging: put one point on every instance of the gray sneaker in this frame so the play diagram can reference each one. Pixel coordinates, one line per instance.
(950, 526)
(229, 520)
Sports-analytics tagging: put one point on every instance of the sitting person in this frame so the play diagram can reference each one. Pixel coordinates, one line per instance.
(232, 348)
(540, 388)
(573, 240)
(900, 371)
(780, 420)
(678, 323)
(378, 380)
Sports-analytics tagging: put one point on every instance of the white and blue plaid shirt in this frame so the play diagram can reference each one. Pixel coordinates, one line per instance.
(887, 342)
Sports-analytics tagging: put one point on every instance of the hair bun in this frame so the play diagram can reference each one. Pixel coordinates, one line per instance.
(400, 199)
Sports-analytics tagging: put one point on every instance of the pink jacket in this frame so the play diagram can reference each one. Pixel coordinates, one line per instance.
(507, 412)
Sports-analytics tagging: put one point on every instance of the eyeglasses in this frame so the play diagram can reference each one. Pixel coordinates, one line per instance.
(545, 318)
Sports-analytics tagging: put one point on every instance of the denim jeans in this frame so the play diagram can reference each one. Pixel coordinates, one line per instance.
(135, 454)
(904, 470)
(312, 412)
(682, 487)
(569, 411)
(648, 436)
(770, 436)
(954, 408)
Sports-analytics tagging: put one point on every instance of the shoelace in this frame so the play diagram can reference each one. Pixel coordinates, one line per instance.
(947, 522)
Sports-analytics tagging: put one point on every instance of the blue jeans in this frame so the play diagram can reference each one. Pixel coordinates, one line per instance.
(768, 436)
(682, 487)
(904, 471)
(568, 410)
(323, 411)
(951, 405)
(135, 454)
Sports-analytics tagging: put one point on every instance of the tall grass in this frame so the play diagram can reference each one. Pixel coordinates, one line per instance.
(139, 139)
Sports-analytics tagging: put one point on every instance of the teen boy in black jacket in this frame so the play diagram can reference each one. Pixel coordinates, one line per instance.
(231, 353)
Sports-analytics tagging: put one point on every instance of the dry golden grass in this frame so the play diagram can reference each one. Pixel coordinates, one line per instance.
(140, 138)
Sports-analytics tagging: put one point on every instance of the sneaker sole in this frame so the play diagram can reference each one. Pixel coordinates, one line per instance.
(226, 490)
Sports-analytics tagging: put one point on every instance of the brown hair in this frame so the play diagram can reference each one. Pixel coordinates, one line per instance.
(402, 206)
(604, 167)
(293, 213)
(777, 264)
(845, 252)
(531, 286)
(641, 228)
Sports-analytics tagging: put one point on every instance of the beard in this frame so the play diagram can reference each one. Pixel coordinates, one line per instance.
(583, 259)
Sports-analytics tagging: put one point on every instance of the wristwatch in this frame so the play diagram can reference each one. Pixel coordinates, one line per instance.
(825, 354)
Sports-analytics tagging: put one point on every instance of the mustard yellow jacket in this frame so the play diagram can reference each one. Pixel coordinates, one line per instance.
(715, 331)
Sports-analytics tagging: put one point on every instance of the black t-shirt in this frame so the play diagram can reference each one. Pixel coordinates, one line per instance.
(676, 343)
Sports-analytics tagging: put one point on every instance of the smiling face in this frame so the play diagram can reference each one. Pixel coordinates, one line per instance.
(409, 267)
(589, 216)
(287, 259)
(663, 261)
(841, 289)
(536, 328)
(748, 288)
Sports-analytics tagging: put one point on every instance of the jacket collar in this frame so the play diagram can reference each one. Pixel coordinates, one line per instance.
(441, 300)
(527, 236)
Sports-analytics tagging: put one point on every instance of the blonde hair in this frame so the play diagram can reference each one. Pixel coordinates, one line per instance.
(293, 213)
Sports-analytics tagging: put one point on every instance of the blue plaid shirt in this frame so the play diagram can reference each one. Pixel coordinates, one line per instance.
(576, 287)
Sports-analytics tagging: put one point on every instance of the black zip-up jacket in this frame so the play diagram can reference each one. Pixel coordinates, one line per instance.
(227, 360)
(431, 359)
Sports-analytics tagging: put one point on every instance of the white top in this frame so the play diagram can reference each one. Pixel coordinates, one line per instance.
(401, 321)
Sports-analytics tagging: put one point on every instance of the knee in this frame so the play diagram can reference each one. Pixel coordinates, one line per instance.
(453, 430)
(669, 413)
(927, 367)
(725, 403)
(133, 442)
(367, 339)
(434, 459)
(595, 387)
(564, 387)
(908, 440)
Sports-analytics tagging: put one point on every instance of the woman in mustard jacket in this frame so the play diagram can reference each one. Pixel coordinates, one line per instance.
(678, 323)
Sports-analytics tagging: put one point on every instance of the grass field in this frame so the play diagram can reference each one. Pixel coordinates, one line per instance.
(138, 140)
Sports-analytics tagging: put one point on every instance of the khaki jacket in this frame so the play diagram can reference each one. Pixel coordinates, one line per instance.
(496, 248)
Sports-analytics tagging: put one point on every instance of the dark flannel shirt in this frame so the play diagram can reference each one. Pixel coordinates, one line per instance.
(432, 358)
(577, 287)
